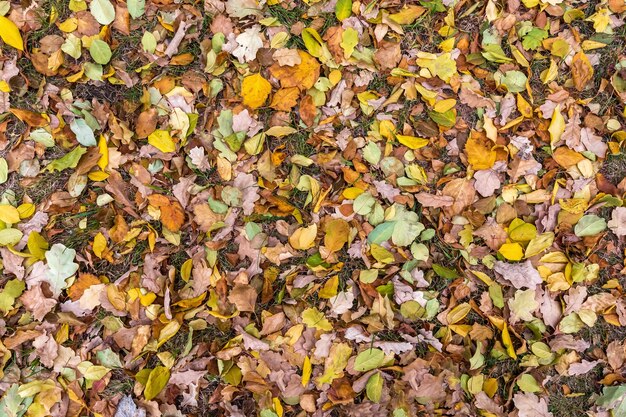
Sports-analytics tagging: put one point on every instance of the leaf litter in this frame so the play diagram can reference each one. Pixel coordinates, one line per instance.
(288, 208)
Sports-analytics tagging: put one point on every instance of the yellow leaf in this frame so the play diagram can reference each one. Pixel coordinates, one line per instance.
(303, 238)
(185, 270)
(306, 371)
(157, 380)
(37, 245)
(255, 89)
(520, 231)
(480, 153)
(386, 129)
(444, 105)
(407, 15)
(10, 34)
(313, 42)
(458, 313)
(26, 210)
(104, 153)
(524, 107)
(280, 131)
(99, 245)
(335, 363)
(98, 176)
(162, 140)
(512, 251)
(352, 192)
(95, 372)
(557, 125)
(9, 214)
(277, 406)
(412, 142)
(312, 317)
(337, 234)
(334, 77)
(381, 254)
(69, 25)
(490, 129)
(490, 386)
(549, 74)
(168, 332)
(483, 277)
(329, 289)
(538, 244)
(506, 341)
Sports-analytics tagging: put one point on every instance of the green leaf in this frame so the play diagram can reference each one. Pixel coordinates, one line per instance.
(157, 380)
(419, 251)
(495, 292)
(61, 266)
(374, 387)
(381, 233)
(494, 53)
(103, 11)
(444, 272)
(69, 160)
(528, 383)
(343, 9)
(589, 225)
(372, 153)
(478, 359)
(313, 42)
(369, 359)
(149, 42)
(11, 291)
(42, 136)
(412, 310)
(72, 46)
(523, 304)
(363, 204)
(84, 134)
(136, 8)
(614, 398)
(367, 276)
(514, 81)
(100, 51)
(4, 170)
(10, 237)
(109, 358)
(405, 232)
(312, 317)
(532, 40)
(446, 119)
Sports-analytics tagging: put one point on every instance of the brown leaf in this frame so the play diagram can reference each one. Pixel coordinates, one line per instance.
(172, 213)
(582, 71)
(285, 99)
(37, 303)
(83, 282)
(146, 123)
(462, 192)
(302, 75)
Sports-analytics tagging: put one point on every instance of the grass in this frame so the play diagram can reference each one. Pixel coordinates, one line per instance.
(46, 185)
(614, 168)
(576, 404)
(120, 383)
(298, 143)
(72, 236)
(288, 17)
